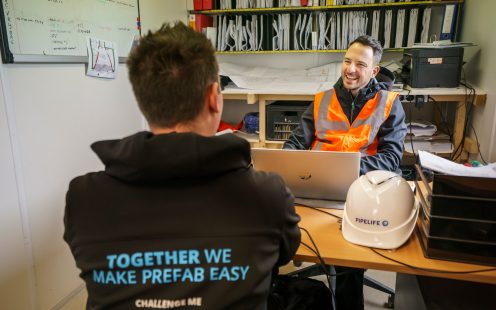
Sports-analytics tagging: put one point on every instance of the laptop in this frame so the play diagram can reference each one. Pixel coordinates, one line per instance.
(316, 178)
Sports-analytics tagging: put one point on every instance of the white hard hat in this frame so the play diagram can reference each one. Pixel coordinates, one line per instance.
(380, 210)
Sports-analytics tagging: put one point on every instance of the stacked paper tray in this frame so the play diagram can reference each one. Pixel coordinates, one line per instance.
(456, 225)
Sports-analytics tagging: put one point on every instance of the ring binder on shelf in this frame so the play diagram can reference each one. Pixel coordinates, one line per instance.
(448, 26)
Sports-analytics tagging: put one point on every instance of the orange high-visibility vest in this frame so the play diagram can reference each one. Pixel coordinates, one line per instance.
(334, 132)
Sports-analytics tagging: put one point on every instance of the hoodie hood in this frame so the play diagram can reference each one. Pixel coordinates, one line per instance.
(385, 79)
(148, 158)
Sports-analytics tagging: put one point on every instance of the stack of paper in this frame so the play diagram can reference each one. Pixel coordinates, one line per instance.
(434, 146)
(421, 128)
(423, 136)
(438, 164)
(308, 81)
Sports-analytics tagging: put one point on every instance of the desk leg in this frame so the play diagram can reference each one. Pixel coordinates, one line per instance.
(408, 295)
(261, 120)
(460, 114)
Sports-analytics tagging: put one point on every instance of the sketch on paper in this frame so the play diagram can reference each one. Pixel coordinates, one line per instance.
(102, 58)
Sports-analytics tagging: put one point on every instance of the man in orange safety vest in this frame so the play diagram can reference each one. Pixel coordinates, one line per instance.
(359, 114)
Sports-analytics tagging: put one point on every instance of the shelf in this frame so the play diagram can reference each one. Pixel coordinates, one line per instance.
(446, 95)
(297, 51)
(274, 144)
(252, 138)
(326, 8)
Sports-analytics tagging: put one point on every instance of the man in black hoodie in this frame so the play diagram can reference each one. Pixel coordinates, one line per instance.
(358, 114)
(178, 218)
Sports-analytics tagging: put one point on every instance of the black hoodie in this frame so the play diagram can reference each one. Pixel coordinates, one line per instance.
(391, 133)
(179, 220)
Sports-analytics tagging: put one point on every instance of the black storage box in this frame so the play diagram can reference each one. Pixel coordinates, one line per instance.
(458, 219)
(282, 118)
(433, 67)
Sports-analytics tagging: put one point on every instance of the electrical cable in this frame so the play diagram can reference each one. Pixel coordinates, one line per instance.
(322, 211)
(411, 133)
(322, 263)
(428, 269)
(467, 117)
(330, 274)
(443, 118)
(478, 145)
(471, 125)
(459, 149)
(316, 252)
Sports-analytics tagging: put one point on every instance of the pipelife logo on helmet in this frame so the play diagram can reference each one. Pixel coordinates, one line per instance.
(384, 223)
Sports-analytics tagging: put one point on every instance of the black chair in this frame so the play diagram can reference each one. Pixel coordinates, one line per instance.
(317, 270)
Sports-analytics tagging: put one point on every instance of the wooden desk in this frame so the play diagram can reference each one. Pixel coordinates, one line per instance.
(456, 96)
(325, 231)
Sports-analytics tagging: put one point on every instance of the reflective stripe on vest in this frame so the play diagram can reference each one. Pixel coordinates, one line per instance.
(334, 132)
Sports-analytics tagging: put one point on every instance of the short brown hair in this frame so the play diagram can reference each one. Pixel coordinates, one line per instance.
(376, 46)
(170, 71)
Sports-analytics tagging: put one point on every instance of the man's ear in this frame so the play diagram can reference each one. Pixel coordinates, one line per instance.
(212, 97)
(376, 70)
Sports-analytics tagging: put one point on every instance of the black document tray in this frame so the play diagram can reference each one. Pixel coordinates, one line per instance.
(474, 187)
(470, 230)
(456, 224)
(461, 197)
(456, 250)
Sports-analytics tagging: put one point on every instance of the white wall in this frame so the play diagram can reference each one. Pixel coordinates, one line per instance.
(478, 27)
(154, 13)
(14, 275)
(55, 113)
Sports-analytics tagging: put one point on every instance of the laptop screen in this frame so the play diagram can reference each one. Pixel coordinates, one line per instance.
(311, 174)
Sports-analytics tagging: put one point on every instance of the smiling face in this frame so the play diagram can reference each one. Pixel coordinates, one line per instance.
(358, 67)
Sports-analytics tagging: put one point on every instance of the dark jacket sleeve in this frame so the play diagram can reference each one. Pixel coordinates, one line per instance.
(302, 137)
(390, 142)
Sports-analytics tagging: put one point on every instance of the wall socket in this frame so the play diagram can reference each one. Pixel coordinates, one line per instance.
(420, 101)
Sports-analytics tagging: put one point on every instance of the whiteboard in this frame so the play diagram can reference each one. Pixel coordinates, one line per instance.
(57, 30)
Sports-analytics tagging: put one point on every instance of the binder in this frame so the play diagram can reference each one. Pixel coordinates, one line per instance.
(375, 24)
(203, 21)
(412, 27)
(198, 5)
(388, 25)
(400, 28)
(207, 4)
(260, 32)
(211, 33)
(333, 33)
(323, 30)
(448, 26)
(426, 19)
